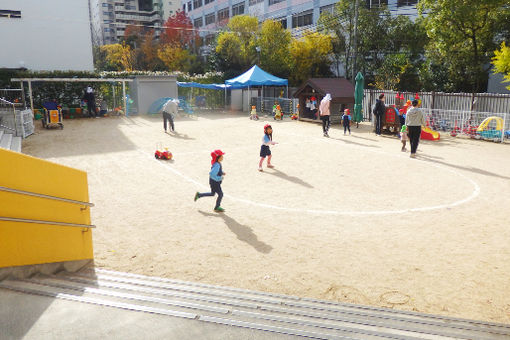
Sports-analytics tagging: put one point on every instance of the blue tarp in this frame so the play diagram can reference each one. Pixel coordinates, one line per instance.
(203, 86)
(256, 76)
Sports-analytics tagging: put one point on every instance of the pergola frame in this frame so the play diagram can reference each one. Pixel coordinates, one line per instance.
(70, 80)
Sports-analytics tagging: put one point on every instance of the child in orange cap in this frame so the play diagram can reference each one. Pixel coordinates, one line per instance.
(346, 120)
(215, 178)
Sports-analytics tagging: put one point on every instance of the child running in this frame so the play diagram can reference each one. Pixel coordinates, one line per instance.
(346, 120)
(264, 148)
(403, 137)
(215, 178)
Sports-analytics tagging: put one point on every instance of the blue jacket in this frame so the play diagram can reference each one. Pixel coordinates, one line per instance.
(216, 173)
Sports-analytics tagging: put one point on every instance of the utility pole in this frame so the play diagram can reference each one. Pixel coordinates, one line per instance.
(355, 41)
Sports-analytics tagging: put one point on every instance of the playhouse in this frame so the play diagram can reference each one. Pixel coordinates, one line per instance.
(313, 90)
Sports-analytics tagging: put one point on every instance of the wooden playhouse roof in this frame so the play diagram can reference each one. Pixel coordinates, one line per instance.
(339, 88)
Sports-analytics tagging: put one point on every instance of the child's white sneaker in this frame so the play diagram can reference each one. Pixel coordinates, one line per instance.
(260, 169)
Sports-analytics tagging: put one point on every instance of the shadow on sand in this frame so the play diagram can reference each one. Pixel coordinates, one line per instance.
(243, 232)
(284, 176)
(465, 168)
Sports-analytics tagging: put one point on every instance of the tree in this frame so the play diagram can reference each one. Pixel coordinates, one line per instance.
(175, 58)
(236, 45)
(501, 62)
(340, 25)
(179, 31)
(463, 34)
(147, 54)
(273, 42)
(309, 57)
(119, 56)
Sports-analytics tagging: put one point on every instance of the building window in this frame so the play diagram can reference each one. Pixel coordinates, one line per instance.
(198, 22)
(189, 6)
(282, 21)
(238, 9)
(197, 4)
(223, 14)
(207, 2)
(376, 3)
(209, 39)
(105, 5)
(272, 2)
(210, 19)
(328, 8)
(254, 2)
(401, 3)
(108, 14)
(302, 19)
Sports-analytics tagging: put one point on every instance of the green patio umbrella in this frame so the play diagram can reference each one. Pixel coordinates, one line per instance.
(358, 98)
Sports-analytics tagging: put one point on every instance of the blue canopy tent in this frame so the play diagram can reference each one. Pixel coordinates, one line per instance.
(256, 76)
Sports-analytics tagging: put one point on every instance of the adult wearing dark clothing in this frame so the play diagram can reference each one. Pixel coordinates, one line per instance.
(379, 110)
(91, 101)
(414, 122)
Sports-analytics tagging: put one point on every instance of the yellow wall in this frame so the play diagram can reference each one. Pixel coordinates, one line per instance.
(31, 243)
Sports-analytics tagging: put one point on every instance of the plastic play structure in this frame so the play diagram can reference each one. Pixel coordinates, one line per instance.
(485, 131)
(429, 134)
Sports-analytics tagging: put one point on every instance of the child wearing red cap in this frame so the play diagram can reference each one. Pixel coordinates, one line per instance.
(215, 178)
(346, 120)
(264, 148)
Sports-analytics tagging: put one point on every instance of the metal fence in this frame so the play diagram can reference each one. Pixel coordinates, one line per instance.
(478, 102)
(12, 120)
(473, 124)
(14, 96)
(265, 105)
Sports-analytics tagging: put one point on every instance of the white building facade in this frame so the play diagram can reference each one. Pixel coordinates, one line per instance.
(209, 15)
(46, 35)
(111, 17)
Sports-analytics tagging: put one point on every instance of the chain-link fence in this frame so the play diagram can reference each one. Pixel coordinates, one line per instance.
(265, 105)
(478, 125)
(478, 102)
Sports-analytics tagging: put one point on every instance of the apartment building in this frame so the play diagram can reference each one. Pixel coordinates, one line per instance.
(209, 15)
(45, 35)
(111, 17)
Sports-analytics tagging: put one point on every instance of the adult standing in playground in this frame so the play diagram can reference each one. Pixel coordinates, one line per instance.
(324, 113)
(169, 111)
(414, 121)
(90, 97)
(378, 112)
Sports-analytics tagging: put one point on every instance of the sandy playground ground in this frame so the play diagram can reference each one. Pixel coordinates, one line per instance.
(350, 218)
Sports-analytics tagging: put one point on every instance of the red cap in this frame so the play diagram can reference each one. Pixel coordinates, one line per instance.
(348, 112)
(215, 155)
(267, 126)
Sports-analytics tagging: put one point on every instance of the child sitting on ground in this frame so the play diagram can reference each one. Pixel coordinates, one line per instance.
(403, 137)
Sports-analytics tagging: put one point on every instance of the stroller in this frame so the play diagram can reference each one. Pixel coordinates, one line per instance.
(52, 115)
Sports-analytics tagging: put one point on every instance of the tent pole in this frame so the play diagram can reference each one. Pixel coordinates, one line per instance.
(262, 101)
(124, 97)
(249, 97)
(225, 102)
(30, 95)
(23, 94)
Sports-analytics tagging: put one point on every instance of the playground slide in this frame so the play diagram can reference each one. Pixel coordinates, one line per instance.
(429, 134)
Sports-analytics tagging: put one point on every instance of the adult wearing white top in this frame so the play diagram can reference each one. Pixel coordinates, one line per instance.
(169, 111)
(414, 121)
(324, 113)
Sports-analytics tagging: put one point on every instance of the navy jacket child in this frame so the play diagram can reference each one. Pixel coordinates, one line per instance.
(346, 121)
